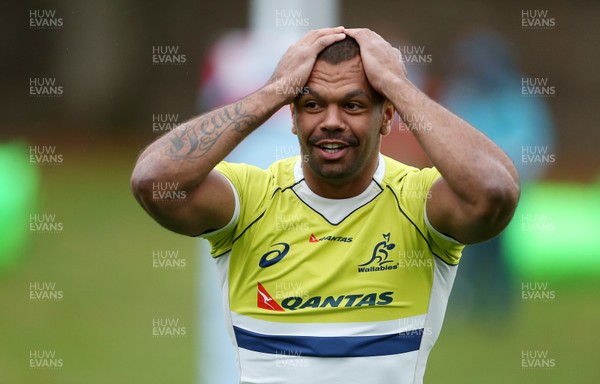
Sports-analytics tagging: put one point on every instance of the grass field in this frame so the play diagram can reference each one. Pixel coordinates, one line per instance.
(102, 327)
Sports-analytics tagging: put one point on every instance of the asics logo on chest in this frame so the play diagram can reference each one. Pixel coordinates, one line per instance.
(274, 256)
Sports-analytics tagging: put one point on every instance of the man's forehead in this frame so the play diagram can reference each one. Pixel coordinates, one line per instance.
(346, 94)
(346, 79)
(352, 65)
(346, 72)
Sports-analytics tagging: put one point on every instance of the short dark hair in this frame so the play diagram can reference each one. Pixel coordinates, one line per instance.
(340, 51)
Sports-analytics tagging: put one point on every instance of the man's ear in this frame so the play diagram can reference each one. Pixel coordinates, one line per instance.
(387, 118)
(293, 111)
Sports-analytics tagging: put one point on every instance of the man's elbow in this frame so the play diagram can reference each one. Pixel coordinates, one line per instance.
(143, 187)
(163, 202)
(140, 185)
(498, 206)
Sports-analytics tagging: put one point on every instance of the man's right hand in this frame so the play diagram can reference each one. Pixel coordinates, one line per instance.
(297, 62)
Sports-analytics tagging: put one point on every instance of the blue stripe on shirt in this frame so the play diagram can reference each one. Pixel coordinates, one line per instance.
(319, 346)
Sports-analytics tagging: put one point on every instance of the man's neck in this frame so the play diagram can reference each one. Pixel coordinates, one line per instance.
(340, 189)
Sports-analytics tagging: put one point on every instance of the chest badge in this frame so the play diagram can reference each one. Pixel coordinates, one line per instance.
(380, 258)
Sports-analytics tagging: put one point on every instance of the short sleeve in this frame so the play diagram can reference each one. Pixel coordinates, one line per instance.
(415, 190)
(251, 186)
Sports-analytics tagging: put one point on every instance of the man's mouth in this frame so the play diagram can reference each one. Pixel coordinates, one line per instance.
(331, 150)
(332, 147)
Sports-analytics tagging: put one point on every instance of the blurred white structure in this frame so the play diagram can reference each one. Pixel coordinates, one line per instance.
(240, 63)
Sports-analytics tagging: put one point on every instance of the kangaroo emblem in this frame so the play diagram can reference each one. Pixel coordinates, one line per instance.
(380, 251)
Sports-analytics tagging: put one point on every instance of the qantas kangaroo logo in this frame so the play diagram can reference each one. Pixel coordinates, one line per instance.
(265, 300)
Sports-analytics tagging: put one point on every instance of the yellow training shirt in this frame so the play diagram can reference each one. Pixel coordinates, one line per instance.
(322, 290)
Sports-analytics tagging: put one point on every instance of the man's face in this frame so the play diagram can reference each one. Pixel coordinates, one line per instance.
(339, 122)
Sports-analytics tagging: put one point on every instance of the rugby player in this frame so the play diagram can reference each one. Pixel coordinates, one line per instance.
(336, 265)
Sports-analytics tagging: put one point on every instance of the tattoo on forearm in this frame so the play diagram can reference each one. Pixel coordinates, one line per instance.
(195, 138)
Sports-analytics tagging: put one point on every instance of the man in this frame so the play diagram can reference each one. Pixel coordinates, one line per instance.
(336, 266)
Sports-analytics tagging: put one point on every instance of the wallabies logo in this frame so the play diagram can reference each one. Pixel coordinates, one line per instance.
(380, 260)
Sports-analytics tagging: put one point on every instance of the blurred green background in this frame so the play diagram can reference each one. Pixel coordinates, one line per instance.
(102, 328)
(102, 258)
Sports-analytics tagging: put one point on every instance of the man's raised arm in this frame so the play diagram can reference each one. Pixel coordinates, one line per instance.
(200, 199)
(479, 189)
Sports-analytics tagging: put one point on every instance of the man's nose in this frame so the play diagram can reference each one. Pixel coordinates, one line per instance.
(332, 121)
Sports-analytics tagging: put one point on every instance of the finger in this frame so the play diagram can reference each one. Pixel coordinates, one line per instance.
(311, 36)
(326, 40)
(357, 33)
(363, 34)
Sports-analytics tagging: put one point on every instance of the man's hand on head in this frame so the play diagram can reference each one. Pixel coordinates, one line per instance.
(382, 62)
(297, 62)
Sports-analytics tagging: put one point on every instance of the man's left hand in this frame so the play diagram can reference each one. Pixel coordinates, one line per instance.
(382, 62)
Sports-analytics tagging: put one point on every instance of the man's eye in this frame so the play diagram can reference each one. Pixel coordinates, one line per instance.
(311, 104)
(352, 106)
